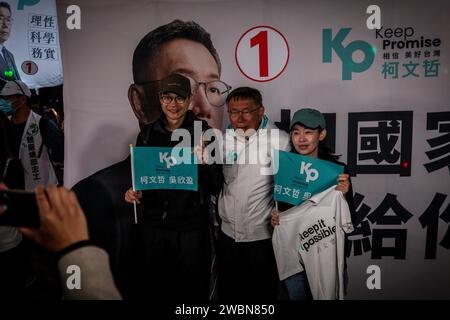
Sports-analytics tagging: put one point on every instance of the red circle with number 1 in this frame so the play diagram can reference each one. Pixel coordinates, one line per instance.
(262, 53)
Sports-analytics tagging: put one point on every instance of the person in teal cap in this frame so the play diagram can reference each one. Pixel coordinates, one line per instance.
(307, 137)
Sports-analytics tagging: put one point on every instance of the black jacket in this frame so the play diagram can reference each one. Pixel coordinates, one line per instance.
(111, 220)
(179, 209)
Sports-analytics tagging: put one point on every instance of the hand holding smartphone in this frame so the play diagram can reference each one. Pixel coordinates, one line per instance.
(19, 209)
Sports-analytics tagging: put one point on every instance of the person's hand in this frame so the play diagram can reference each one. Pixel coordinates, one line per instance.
(275, 221)
(2, 187)
(343, 183)
(201, 152)
(62, 220)
(131, 196)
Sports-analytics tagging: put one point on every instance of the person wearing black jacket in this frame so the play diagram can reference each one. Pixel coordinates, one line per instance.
(174, 230)
(15, 264)
(178, 45)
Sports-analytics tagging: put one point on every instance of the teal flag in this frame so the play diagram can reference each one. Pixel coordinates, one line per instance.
(164, 168)
(300, 177)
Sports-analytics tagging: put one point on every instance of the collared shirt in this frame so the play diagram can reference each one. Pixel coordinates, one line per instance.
(246, 200)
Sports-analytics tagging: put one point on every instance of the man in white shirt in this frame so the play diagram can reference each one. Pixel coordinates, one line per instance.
(247, 268)
(8, 69)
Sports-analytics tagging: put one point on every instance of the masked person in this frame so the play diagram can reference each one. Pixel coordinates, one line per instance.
(32, 144)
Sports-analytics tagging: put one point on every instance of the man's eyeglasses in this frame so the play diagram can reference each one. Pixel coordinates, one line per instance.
(245, 113)
(215, 91)
(167, 99)
(7, 20)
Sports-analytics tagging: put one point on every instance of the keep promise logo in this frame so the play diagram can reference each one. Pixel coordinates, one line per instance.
(349, 66)
(169, 160)
(311, 174)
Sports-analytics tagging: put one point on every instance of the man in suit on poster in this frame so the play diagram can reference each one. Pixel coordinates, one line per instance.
(8, 69)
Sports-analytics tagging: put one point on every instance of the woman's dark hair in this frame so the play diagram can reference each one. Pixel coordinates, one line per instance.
(325, 152)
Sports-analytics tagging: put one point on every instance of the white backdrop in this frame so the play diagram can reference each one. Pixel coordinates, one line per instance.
(100, 124)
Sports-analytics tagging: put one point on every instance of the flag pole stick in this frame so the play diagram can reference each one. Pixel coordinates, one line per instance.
(132, 182)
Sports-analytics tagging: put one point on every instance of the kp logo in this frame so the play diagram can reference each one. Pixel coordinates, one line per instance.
(23, 3)
(311, 174)
(170, 161)
(345, 53)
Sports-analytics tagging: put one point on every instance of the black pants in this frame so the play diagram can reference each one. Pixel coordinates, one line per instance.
(247, 270)
(175, 264)
(15, 269)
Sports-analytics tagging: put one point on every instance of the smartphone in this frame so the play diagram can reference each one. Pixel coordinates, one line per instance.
(20, 207)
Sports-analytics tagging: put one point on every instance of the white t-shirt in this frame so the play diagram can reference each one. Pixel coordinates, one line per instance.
(10, 237)
(311, 237)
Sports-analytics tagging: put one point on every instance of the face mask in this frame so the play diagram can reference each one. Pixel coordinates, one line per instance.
(6, 107)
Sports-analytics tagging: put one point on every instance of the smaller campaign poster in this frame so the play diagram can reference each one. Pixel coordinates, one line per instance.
(164, 168)
(300, 177)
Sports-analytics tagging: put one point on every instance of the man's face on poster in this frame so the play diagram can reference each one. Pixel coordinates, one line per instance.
(194, 60)
(5, 24)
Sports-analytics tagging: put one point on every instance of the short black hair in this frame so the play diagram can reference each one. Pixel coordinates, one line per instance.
(149, 46)
(5, 5)
(244, 93)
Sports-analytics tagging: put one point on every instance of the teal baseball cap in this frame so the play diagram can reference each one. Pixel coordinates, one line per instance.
(310, 118)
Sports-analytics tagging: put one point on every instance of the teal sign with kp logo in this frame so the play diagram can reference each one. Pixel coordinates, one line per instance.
(300, 177)
(22, 3)
(349, 66)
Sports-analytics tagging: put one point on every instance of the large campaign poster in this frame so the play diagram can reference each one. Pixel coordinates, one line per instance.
(29, 40)
(385, 93)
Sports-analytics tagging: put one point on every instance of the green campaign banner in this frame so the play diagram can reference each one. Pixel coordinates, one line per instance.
(164, 168)
(300, 177)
